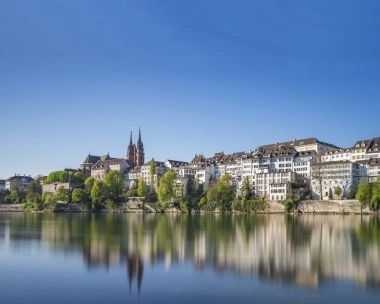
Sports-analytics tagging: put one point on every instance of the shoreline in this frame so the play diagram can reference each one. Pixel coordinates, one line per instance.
(341, 207)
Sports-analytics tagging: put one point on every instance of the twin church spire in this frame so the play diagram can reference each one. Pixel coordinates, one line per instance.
(135, 153)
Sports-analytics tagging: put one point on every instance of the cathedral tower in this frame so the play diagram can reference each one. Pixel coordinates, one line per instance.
(135, 153)
(131, 152)
(139, 155)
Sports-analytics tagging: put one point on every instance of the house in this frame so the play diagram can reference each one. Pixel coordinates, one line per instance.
(102, 167)
(90, 161)
(2, 185)
(21, 181)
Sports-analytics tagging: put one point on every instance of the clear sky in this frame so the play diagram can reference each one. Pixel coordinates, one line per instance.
(196, 76)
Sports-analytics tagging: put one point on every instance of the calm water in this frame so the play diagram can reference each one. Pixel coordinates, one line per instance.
(129, 258)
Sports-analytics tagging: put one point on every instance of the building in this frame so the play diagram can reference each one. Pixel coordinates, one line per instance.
(346, 168)
(102, 167)
(135, 152)
(90, 161)
(21, 181)
(2, 185)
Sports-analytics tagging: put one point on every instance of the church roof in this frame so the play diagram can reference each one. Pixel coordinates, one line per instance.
(91, 159)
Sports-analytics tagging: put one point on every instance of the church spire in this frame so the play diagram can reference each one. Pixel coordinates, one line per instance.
(130, 140)
(139, 141)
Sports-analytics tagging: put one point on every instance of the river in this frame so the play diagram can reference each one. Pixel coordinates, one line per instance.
(200, 258)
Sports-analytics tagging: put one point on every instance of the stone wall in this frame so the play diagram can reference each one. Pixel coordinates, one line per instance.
(332, 206)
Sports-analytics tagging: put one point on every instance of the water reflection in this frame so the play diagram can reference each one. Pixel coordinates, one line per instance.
(303, 250)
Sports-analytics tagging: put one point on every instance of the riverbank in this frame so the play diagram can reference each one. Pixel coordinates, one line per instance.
(10, 208)
(307, 207)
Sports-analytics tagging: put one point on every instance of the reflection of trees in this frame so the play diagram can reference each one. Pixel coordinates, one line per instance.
(297, 249)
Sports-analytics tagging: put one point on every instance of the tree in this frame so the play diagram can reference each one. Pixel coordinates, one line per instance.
(18, 194)
(246, 190)
(338, 191)
(62, 194)
(34, 187)
(53, 177)
(80, 196)
(165, 188)
(88, 184)
(97, 192)
(319, 174)
(152, 172)
(375, 199)
(78, 178)
(132, 191)
(114, 182)
(364, 193)
(141, 190)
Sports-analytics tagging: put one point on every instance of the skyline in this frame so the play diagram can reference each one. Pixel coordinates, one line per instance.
(199, 77)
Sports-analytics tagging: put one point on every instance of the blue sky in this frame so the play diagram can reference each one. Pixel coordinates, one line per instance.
(196, 76)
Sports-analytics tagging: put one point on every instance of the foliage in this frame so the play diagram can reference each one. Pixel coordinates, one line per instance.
(152, 172)
(338, 191)
(141, 189)
(375, 199)
(290, 205)
(364, 193)
(165, 188)
(132, 191)
(114, 182)
(62, 194)
(78, 178)
(220, 195)
(88, 184)
(97, 191)
(80, 196)
(49, 200)
(110, 205)
(34, 187)
(369, 194)
(246, 190)
(252, 205)
(18, 193)
(53, 177)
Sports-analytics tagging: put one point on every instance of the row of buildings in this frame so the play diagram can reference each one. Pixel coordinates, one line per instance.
(271, 169)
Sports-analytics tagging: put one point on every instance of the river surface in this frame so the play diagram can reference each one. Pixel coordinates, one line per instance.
(204, 258)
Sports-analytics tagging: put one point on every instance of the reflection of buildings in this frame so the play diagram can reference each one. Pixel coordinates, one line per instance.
(303, 250)
(135, 269)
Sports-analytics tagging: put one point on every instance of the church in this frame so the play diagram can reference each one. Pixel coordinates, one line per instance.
(135, 153)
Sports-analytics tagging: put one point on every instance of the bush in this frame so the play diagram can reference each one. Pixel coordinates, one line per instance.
(290, 205)
(110, 205)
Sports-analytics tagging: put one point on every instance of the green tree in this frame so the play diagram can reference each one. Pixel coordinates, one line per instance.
(375, 199)
(53, 177)
(338, 191)
(62, 194)
(246, 190)
(49, 201)
(152, 172)
(114, 182)
(99, 192)
(364, 193)
(141, 190)
(88, 184)
(132, 191)
(80, 196)
(18, 193)
(165, 188)
(34, 187)
(64, 176)
(78, 178)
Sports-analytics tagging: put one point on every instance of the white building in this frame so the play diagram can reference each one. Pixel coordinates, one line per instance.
(102, 167)
(2, 185)
(21, 181)
(331, 175)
